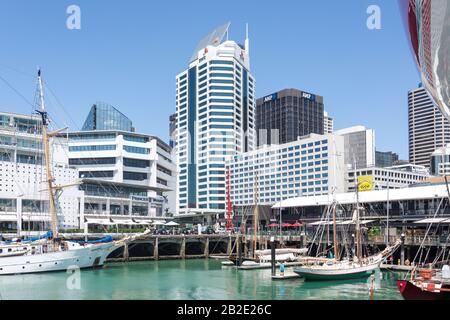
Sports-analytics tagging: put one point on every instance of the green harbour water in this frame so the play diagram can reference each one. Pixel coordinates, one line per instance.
(186, 279)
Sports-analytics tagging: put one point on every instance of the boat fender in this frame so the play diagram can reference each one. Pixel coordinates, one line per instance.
(446, 272)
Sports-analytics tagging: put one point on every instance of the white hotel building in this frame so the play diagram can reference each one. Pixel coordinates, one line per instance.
(215, 104)
(313, 165)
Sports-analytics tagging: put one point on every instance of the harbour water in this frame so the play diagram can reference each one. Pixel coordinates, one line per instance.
(185, 279)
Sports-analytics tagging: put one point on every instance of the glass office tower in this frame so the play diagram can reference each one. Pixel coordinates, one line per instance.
(284, 116)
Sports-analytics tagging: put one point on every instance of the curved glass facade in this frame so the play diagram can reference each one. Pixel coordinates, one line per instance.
(105, 117)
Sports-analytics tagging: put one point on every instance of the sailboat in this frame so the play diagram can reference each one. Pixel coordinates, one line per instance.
(263, 257)
(337, 269)
(50, 252)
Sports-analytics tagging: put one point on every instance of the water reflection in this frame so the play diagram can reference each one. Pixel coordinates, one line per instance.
(190, 279)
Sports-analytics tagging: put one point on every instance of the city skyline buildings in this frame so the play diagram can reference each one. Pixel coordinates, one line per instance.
(146, 85)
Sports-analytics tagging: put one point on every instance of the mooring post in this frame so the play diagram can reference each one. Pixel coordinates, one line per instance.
(206, 251)
(402, 250)
(183, 248)
(245, 244)
(126, 254)
(239, 250)
(156, 249)
(272, 251)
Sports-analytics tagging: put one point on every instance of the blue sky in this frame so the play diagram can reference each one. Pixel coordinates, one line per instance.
(128, 53)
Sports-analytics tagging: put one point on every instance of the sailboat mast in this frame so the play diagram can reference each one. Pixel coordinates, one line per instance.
(256, 216)
(45, 138)
(335, 242)
(358, 227)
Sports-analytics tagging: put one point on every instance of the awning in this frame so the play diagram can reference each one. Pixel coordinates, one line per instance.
(403, 194)
(105, 222)
(125, 222)
(433, 220)
(143, 222)
(347, 222)
(273, 225)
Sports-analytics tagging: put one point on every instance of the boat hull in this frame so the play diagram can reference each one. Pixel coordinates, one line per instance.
(410, 291)
(312, 274)
(88, 257)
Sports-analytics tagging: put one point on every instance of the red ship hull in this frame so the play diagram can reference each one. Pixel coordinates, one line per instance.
(410, 291)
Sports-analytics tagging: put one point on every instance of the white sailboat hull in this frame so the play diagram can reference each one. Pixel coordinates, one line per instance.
(85, 257)
(338, 271)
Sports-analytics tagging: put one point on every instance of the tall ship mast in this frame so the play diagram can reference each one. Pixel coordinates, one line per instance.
(46, 143)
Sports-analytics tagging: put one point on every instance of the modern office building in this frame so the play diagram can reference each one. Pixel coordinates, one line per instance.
(328, 123)
(440, 161)
(428, 128)
(391, 177)
(24, 205)
(385, 159)
(359, 147)
(284, 116)
(215, 102)
(105, 117)
(306, 167)
(125, 175)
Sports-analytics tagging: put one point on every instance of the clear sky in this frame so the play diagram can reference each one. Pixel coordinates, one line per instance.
(128, 53)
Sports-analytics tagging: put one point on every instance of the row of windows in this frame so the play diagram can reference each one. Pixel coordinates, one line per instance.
(136, 138)
(91, 161)
(92, 148)
(93, 137)
(138, 150)
(136, 163)
(137, 176)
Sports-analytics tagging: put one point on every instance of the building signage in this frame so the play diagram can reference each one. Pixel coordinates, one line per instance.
(309, 96)
(158, 200)
(139, 198)
(270, 98)
(365, 183)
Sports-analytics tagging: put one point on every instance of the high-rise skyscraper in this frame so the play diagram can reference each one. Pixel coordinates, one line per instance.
(428, 128)
(215, 119)
(284, 116)
(328, 123)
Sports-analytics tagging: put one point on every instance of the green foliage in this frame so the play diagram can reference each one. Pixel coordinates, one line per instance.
(374, 231)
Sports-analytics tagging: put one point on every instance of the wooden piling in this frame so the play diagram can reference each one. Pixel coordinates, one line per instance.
(156, 249)
(183, 248)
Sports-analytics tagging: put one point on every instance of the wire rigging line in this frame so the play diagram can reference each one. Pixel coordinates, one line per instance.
(17, 92)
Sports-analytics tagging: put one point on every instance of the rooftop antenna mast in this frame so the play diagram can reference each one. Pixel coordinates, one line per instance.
(247, 41)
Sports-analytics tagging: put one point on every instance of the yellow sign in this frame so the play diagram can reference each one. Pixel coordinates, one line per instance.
(365, 183)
